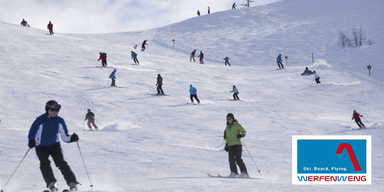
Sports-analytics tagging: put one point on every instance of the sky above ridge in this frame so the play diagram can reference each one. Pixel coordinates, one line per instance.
(106, 16)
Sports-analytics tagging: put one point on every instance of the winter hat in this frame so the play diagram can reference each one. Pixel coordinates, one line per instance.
(88, 109)
(230, 115)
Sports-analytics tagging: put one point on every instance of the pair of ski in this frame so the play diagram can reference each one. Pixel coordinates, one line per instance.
(359, 128)
(225, 177)
(65, 190)
(194, 103)
(158, 94)
(90, 129)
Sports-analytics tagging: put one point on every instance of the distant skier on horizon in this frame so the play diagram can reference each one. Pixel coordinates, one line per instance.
(201, 57)
(234, 6)
(143, 45)
(279, 62)
(24, 23)
(50, 28)
(198, 13)
(357, 116)
(209, 10)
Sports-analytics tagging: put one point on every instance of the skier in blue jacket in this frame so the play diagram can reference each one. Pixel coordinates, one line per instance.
(44, 135)
(279, 61)
(193, 94)
(113, 77)
(134, 57)
(235, 93)
(226, 59)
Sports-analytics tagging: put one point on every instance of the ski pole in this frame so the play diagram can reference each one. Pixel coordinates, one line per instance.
(258, 170)
(312, 81)
(86, 170)
(228, 95)
(220, 145)
(367, 121)
(350, 124)
(15, 169)
(83, 124)
(99, 123)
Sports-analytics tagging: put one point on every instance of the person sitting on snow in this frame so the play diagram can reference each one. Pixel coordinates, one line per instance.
(307, 70)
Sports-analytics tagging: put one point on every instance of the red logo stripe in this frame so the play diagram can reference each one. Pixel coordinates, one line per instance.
(351, 153)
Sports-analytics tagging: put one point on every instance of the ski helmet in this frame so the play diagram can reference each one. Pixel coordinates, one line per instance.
(231, 115)
(52, 104)
(88, 109)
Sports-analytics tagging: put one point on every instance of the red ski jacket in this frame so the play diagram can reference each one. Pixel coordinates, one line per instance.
(356, 116)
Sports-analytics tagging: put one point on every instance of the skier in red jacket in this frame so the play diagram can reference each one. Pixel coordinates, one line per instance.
(103, 58)
(357, 116)
(24, 23)
(50, 27)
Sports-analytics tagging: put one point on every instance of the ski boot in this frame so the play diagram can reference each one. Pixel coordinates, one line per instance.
(73, 186)
(53, 187)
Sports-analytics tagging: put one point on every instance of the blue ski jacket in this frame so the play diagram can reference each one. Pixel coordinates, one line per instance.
(192, 91)
(234, 90)
(278, 58)
(45, 131)
(112, 75)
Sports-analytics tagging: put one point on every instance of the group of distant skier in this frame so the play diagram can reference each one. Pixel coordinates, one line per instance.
(49, 26)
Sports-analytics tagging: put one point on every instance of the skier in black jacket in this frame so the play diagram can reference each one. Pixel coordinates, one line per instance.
(91, 119)
(143, 45)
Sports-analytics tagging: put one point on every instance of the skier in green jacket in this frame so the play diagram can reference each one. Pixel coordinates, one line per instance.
(232, 136)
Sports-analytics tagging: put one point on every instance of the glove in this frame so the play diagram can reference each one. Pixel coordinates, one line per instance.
(226, 147)
(74, 137)
(31, 143)
(240, 136)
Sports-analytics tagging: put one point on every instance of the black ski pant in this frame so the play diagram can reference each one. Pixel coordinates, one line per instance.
(104, 63)
(318, 80)
(55, 152)
(51, 31)
(234, 157)
(136, 60)
(160, 90)
(194, 96)
(113, 82)
(227, 63)
(280, 63)
(359, 123)
(235, 96)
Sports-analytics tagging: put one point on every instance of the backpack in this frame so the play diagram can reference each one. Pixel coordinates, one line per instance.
(105, 55)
